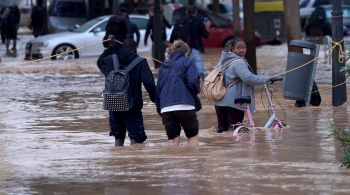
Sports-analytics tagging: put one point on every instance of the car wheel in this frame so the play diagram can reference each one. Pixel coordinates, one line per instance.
(61, 52)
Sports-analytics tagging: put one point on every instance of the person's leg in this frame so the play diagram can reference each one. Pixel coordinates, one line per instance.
(135, 127)
(221, 119)
(193, 141)
(8, 46)
(234, 116)
(172, 127)
(175, 141)
(117, 127)
(14, 48)
(189, 122)
(198, 60)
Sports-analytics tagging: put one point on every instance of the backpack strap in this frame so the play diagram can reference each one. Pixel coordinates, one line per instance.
(115, 61)
(229, 63)
(133, 63)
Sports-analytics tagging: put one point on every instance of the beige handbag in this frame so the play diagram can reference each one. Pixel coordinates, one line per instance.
(213, 86)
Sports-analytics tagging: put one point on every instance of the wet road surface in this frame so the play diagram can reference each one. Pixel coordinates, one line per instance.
(54, 140)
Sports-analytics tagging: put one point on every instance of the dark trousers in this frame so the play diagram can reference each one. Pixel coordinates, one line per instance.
(228, 116)
(132, 121)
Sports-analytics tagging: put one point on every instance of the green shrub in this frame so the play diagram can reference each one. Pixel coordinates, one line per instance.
(343, 136)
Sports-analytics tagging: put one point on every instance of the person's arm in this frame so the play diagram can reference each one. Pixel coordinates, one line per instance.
(138, 35)
(192, 77)
(148, 31)
(148, 80)
(158, 90)
(204, 29)
(166, 23)
(101, 61)
(243, 72)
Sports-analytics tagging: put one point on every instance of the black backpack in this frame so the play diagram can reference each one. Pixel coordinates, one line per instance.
(116, 92)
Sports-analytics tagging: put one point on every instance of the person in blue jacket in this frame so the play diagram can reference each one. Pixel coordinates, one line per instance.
(177, 87)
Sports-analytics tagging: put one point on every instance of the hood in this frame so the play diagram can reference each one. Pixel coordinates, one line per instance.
(124, 55)
(225, 56)
(173, 56)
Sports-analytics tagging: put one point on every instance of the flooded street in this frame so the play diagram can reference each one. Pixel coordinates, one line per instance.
(54, 140)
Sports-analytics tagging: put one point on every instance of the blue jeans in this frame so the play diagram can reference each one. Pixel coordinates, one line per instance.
(132, 121)
(197, 58)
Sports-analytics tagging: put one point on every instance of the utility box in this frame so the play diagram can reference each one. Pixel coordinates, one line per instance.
(300, 68)
(269, 21)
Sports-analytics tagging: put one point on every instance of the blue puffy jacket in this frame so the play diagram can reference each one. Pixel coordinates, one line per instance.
(171, 89)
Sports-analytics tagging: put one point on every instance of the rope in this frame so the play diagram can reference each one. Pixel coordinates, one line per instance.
(341, 58)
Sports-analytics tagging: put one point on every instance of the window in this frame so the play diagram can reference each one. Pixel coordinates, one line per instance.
(304, 3)
(141, 23)
(68, 9)
(90, 24)
(321, 2)
(217, 21)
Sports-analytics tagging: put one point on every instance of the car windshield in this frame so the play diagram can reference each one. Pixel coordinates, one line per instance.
(67, 9)
(88, 25)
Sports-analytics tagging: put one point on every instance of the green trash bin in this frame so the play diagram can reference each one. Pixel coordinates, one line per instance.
(297, 84)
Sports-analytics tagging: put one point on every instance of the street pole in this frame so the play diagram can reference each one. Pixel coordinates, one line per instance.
(158, 41)
(249, 32)
(338, 92)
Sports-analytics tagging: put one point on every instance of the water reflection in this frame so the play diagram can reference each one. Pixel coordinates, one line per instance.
(54, 139)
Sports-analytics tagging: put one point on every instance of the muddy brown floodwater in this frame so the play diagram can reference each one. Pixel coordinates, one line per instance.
(54, 140)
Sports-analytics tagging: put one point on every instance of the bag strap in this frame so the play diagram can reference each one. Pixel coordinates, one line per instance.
(234, 82)
(229, 63)
(133, 63)
(226, 66)
(115, 61)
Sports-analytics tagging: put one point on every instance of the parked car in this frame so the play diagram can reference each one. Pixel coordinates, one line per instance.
(87, 38)
(221, 30)
(308, 6)
(320, 21)
(227, 9)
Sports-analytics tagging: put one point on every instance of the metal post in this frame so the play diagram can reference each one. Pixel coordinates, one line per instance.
(338, 92)
(158, 41)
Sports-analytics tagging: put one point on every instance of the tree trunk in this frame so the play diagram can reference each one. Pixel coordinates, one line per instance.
(292, 22)
(159, 55)
(249, 29)
(236, 18)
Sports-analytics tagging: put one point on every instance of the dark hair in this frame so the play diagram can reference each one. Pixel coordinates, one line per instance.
(191, 10)
(130, 45)
(231, 43)
(117, 26)
(39, 2)
(123, 9)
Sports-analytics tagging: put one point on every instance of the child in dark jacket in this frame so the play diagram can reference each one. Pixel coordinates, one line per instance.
(177, 85)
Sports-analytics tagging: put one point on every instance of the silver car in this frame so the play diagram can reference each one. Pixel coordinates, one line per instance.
(87, 39)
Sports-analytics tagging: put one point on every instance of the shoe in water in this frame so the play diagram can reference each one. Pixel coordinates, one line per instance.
(119, 142)
(299, 103)
(219, 130)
